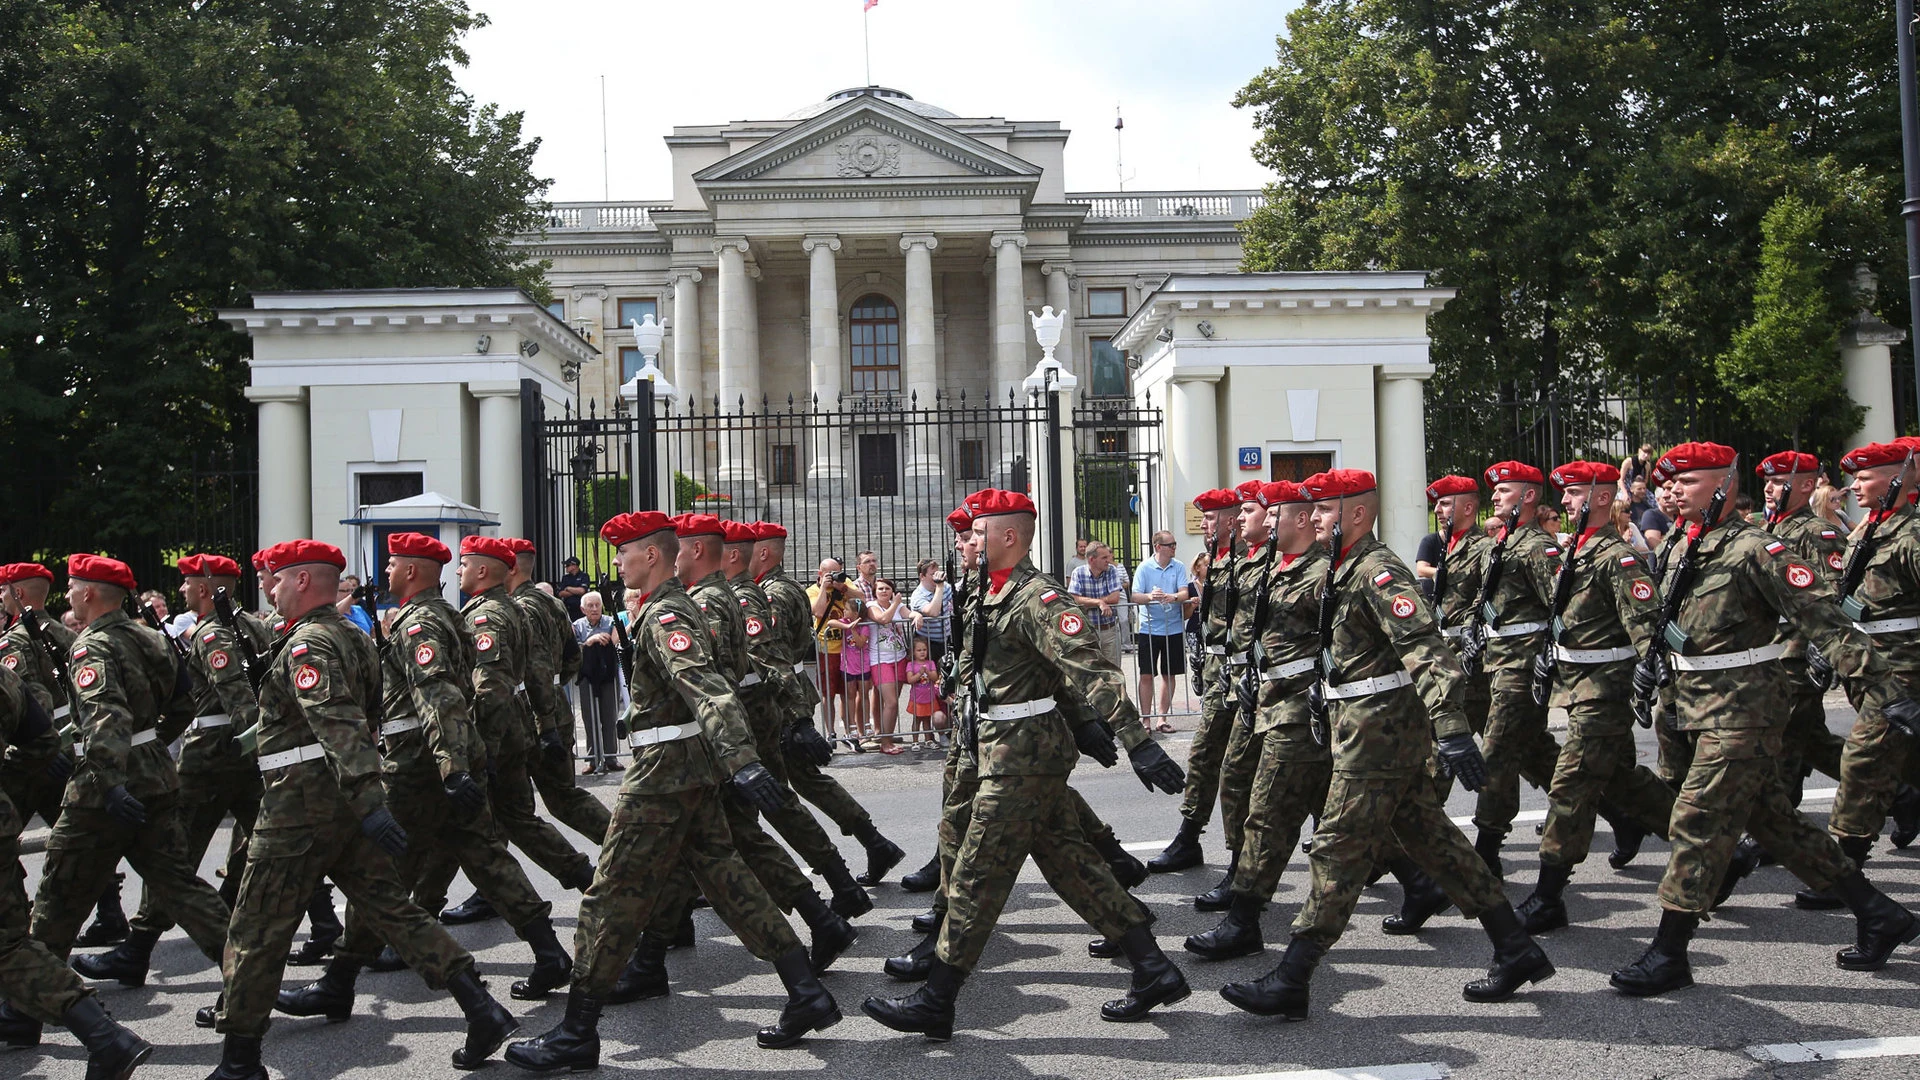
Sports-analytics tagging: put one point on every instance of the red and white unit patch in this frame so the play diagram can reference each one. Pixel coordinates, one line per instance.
(1642, 590)
(218, 660)
(87, 677)
(1836, 561)
(755, 627)
(483, 643)
(679, 642)
(1551, 550)
(1071, 624)
(1403, 607)
(306, 678)
(424, 654)
(1383, 577)
(1799, 576)
(1775, 547)
(12, 662)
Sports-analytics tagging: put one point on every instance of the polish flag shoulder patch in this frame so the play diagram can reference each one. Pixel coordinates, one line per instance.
(1799, 576)
(424, 654)
(415, 628)
(306, 678)
(1642, 591)
(1552, 549)
(1775, 547)
(1628, 560)
(1403, 607)
(668, 619)
(679, 642)
(1049, 596)
(479, 620)
(299, 651)
(743, 601)
(1828, 534)
(1383, 577)
(80, 653)
(207, 637)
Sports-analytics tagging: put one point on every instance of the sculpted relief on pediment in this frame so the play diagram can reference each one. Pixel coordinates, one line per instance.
(867, 153)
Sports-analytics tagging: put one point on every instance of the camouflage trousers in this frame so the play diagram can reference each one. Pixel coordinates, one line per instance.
(825, 792)
(1733, 786)
(283, 867)
(1874, 763)
(32, 978)
(1014, 817)
(1289, 786)
(1237, 768)
(420, 805)
(510, 797)
(779, 877)
(1365, 817)
(960, 784)
(1517, 746)
(85, 848)
(1209, 750)
(794, 822)
(1597, 764)
(1676, 750)
(1810, 745)
(569, 803)
(24, 781)
(206, 798)
(683, 829)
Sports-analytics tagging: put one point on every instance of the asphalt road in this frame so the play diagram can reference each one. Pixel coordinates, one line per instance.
(1384, 1007)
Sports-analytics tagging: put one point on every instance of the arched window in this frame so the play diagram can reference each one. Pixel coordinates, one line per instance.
(874, 329)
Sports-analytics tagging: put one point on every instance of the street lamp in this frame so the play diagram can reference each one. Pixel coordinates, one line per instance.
(1910, 160)
(639, 393)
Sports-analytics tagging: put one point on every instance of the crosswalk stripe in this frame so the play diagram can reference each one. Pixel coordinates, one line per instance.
(1423, 1070)
(1798, 1053)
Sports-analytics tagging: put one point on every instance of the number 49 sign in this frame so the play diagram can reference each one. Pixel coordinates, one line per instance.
(1249, 459)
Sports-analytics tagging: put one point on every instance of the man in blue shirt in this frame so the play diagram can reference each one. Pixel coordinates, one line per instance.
(1161, 586)
(348, 607)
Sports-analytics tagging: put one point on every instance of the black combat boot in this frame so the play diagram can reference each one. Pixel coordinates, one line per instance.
(882, 856)
(113, 1052)
(323, 927)
(109, 926)
(17, 1028)
(849, 899)
(1221, 895)
(1106, 948)
(1517, 960)
(552, 967)
(388, 959)
(929, 920)
(1183, 853)
(645, 975)
(331, 995)
(832, 935)
(1237, 935)
(925, 879)
(914, 966)
(1156, 981)
(1128, 870)
(809, 1006)
(1883, 924)
(927, 1011)
(1545, 910)
(1811, 899)
(471, 910)
(1746, 858)
(206, 1015)
(240, 1059)
(573, 1044)
(1421, 898)
(126, 962)
(488, 1024)
(1627, 835)
(1281, 992)
(1906, 816)
(683, 935)
(1664, 966)
(1488, 845)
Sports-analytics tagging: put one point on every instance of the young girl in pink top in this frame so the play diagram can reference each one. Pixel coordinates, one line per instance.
(923, 675)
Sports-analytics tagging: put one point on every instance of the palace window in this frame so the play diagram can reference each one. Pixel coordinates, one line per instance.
(630, 362)
(635, 309)
(1106, 302)
(1109, 369)
(873, 333)
(558, 309)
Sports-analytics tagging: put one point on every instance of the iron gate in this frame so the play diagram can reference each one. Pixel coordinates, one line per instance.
(1118, 476)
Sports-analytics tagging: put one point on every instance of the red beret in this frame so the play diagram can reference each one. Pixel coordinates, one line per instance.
(626, 528)
(1216, 499)
(260, 559)
(1338, 484)
(520, 545)
(961, 519)
(698, 525)
(1248, 490)
(85, 567)
(994, 503)
(189, 565)
(413, 545)
(1281, 492)
(23, 571)
(1875, 454)
(1693, 456)
(1585, 472)
(1452, 485)
(738, 532)
(1515, 472)
(1787, 463)
(218, 566)
(491, 547)
(769, 530)
(301, 552)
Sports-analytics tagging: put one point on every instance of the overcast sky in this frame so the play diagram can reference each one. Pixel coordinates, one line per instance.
(1173, 67)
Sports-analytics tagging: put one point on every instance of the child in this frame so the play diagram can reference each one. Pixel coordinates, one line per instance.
(924, 706)
(856, 670)
(887, 626)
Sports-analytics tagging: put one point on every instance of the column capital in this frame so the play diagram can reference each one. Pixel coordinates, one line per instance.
(831, 243)
(505, 388)
(292, 395)
(722, 243)
(1019, 239)
(685, 273)
(1063, 269)
(909, 241)
(1210, 373)
(591, 293)
(1418, 372)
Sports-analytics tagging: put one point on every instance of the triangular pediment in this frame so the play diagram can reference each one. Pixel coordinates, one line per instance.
(868, 139)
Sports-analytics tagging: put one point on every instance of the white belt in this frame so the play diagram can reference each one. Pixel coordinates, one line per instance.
(1216, 650)
(309, 752)
(520, 688)
(1240, 659)
(1288, 671)
(1726, 661)
(63, 712)
(1020, 711)
(1594, 656)
(1888, 626)
(802, 669)
(667, 733)
(396, 727)
(1368, 687)
(1455, 632)
(211, 720)
(141, 738)
(1516, 629)
(751, 678)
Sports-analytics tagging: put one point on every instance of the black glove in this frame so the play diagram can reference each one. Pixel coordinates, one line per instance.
(804, 743)
(1542, 684)
(620, 728)
(124, 808)
(1096, 741)
(1155, 769)
(1247, 690)
(35, 721)
(59, 767)
(1903, 713)
(758, 787)
(1819, 672)
(465, 793)
(1462, 758)
(555, 751)
(380, 827)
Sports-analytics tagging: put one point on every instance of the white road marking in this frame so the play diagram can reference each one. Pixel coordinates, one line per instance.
(1836, 1050)
(1146, 845)
(1425, 1070)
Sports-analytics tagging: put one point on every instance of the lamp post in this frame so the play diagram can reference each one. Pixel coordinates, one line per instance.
(1910, 157)
(639, 393)
(1049, 380)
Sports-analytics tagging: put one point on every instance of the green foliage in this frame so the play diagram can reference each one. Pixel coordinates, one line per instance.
(685, 490)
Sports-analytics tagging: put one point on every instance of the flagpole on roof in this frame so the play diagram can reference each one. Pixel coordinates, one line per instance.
(866, 38)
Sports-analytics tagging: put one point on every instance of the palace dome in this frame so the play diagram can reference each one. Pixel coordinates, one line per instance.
(893, 97)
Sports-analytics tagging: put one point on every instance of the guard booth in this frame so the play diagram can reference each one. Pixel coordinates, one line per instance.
(436, 515)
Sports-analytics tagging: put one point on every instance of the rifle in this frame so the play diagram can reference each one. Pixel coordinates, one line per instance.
(615, 592)
(1864, 549)
(250, 662)
(56, 656)
(950, 656)
(367, 596)
(182, 670)
(1249, 689)
(1197, 640)
(1473, 641)
(1666, 634)
(1548, 661)
(1323, 661)
(1440, 572)
(976, 648)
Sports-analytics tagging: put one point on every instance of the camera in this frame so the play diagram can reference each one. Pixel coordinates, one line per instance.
(838, 577)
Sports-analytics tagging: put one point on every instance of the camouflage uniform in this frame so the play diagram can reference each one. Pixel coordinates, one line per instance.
(1516, 738)
(1611, 612)
(793, 623)
(1876, 759)
(1809, 745)
(551, 651)
(1381, 793)
(24, 774)
(1207, 754)
(668, 813)
(124, 676)
(1238, 764)
(1466, 561)
(322, 776)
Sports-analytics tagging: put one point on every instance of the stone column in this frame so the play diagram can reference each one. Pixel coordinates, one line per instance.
(686, 331)
(499, 443)
(1400, 421)
(919, 377)
(1060, 299)
(823, 319)
(1010, 326)
(286, 463)
(1866, 364)
(1193, 446)
(736, 319)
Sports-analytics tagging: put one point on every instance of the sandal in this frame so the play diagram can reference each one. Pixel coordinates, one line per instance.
(894, 749)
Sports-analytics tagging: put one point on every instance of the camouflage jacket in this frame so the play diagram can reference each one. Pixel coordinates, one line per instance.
(1217, 601)
(1818, 544)
(1745, 580)
(427, 683)
(1383, 628)
(793, 631)
(1466, 569)
(1891, 590)
(1291, 637)
(675, 682)
(1037, 646)
(1250, 573)
(546, 631)
(19, 654)
(220, 687)
(962, 756)
(727, 626)
(123, 681)
(319, 690)
(497, 631)
(762, 699)
(1525, 595)
(1613, 605)
(13, 711)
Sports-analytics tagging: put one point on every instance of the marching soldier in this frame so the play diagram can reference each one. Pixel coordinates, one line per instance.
(1391, 688)
(689, 738)
(1725, 590)
(1790, 478)
(324, 812)
(553, 659)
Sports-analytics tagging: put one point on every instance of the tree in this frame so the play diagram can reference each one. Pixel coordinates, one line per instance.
(161, 161)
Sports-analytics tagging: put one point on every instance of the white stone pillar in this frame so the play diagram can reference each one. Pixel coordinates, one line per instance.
(1866, 364)
(736, 310)
(499, 464)
(1009, 316)
(750, 367)
(286, 463)
(1400, 419)
(1193, 447)
(1060, 299)
(686, 331)
(919, 377)
(823, 319)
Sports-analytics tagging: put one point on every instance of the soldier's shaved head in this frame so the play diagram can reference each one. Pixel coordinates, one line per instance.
(1693, 492)
(1355, 513)
(1005, 538)
(699, 556)
(302, 588)
(768, 554)
(92, 599)
(409, 576)
(645, 563)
